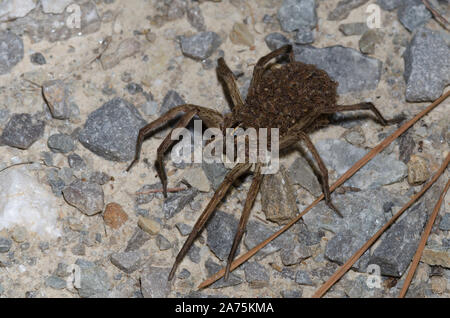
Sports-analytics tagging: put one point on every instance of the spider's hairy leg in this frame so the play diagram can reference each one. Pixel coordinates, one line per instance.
(363, 106)
(211, 118)
(289, 139)
(227, 77)
(168, 141)
(235, 173)
(251, 196)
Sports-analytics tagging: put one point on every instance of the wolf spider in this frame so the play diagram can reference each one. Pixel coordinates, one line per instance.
(292, 97)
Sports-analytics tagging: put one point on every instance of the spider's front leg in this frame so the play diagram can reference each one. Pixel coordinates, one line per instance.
(211, 118)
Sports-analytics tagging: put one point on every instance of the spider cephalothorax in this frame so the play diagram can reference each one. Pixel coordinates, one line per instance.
(291, 97)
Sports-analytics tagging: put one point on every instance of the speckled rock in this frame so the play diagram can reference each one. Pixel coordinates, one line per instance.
(300, 172)
(201, 45)
(413, 15)
(116, 118)
(56, 94)
(93, 279)
(353, 70)
(221, 230)
(294, 14)
(175, 202)
(114, 215)
(427, 66)
(154, 283)
(11, 51)
(22, 130)
(61, 143)
(127, 261)
(256, 275)
(275, 40)
(137, 240)
(343, 9)
(85, 196)
(212, 268)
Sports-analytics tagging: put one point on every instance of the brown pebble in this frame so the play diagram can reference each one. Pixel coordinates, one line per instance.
(418, 171)
(114, 216)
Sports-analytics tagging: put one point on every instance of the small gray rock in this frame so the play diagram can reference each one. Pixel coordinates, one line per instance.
(294, 14)
(38, 58)
(127, 261)
(171, 100)
(162, 243)
(154, 283)
(150, 108)
(381, 170)
(184, 274)
(390, 5)
(302, 278)
(111, 131)
(212, 268)
(61, 143)
(400, 241)
(93, 279)
(11, 51)
(414, 15)
(444, 225)
(357, 28)
(137, 240)
(99, 177)
(194, 254)
(143, 197)
(201, 45)
(275, 40)
(177, 201)
(195, 17)
(183, 228)
(427, 66)
(5, 244)
(368, 41)
(300, 172)
(85, 196)
(304, 35)
(343, 9)
(291, 293)
(55, 282)
(215, 172)
(22, 130)
(294, 254)
(79, 249)
(221, 230)
(256, 275)
(76, 162)
(353, 70)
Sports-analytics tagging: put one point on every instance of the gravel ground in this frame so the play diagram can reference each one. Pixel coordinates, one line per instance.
(74, 223)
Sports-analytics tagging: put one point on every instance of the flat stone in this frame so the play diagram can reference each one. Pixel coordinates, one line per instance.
(183, 228)
(341, 156)
(171, 100)
(13, 9)
(11, 51)
(60, 143)
(368, 41)
(22, 130)
(19, 234)
(275, 40)
(54, 6)
(116, 118)
(357, 28)
(148, 225)
(197, 178)
(444, 225)
(175, 202)
(400, 241)
(294, 14)
(390, 5)
(295, 254)
(304, 35)
(85, 196)
(124, 50)
(302, 278)
(215, 172)
(154, 282)
(212, 268)
(200, 46)
(241, 35)
(354, 71)
(56, 94)
(413, 15)
(162, 243)
(55, 282)
(258, 232)
(301, 173)
(142, 197)
(195, 17)
(37, 58)
(114, 215)
(137, 240)
(221, 229)
(427, 66)
(343, 9)
(278, 198)
(93, 279)
(256, 275)
(194, 254)
(127, 261)
(76, 162)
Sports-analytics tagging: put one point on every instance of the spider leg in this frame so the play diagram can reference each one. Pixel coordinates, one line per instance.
(289, 140)
(211, 118)
(362, 106)
(235, 173)
(168, 141)
(251, 196)
(224, 73)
